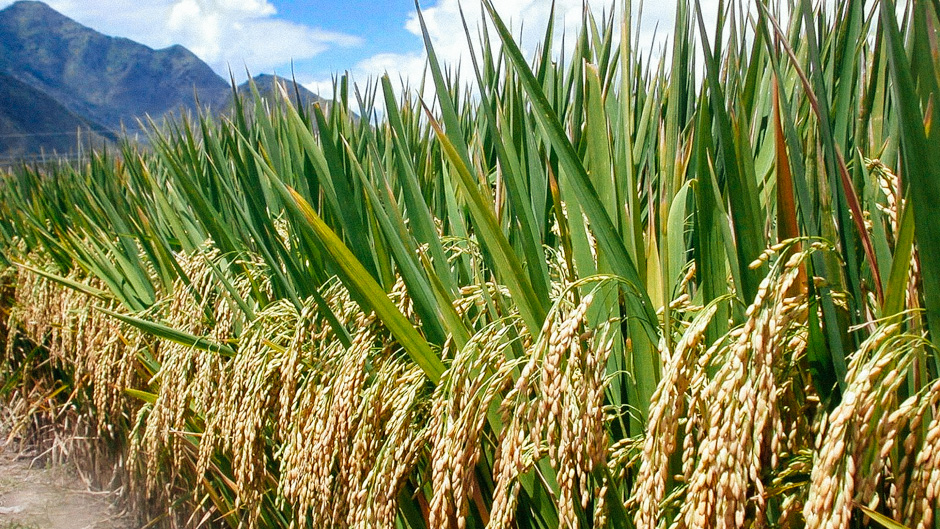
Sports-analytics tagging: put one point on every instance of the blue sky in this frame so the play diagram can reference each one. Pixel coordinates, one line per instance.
(382, 29)
(323, 37)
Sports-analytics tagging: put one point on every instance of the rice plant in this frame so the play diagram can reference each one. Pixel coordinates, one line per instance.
(699, 288)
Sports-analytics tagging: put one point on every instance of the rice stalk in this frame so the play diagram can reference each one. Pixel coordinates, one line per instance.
(599, 288)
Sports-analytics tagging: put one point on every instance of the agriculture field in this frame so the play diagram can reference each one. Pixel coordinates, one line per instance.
(601, 288)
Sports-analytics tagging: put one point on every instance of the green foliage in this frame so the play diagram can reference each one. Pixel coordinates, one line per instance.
(633, 211)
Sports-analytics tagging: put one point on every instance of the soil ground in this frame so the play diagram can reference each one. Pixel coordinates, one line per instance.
(35, 497)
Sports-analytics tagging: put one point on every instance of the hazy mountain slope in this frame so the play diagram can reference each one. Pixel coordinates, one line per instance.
(31, 122)
(59, 76)
(265, 86)
(106, 79)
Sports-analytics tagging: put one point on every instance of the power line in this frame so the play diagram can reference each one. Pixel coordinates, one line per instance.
(73, 133)
(51, 158)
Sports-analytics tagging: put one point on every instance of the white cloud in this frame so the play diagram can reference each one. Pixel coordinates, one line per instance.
(402, 68)
(528, 20)
(446, 30)
(224, 33)
(240, 33)
(528, 17)
(246, 33)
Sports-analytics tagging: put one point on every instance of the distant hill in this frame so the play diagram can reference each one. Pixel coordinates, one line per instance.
(106, 79)
(59, 76)
(33, 123)
(267, 89)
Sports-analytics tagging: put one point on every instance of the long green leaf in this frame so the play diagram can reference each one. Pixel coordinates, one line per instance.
(607, 236)
(166, 332)
(356, 278)
(921, 172)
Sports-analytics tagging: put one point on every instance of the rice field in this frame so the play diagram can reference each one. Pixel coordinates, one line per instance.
(607, 288)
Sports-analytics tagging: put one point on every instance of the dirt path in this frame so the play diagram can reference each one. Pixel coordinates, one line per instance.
(34, 497)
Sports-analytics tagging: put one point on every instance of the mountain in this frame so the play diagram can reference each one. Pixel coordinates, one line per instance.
(33, 123)
(266, 88)
(58, 77)
(109, 80)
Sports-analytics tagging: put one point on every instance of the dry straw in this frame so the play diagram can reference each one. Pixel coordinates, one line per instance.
(558, 299)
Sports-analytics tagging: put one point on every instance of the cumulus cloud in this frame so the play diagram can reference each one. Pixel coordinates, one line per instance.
(404, 69)
(446, 31)
(243, 33)
(247, 33)
(528, 19)
(225, 33)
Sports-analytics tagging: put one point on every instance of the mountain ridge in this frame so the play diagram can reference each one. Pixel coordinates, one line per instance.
(107, 82)
(33, 124)
(104, 78)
